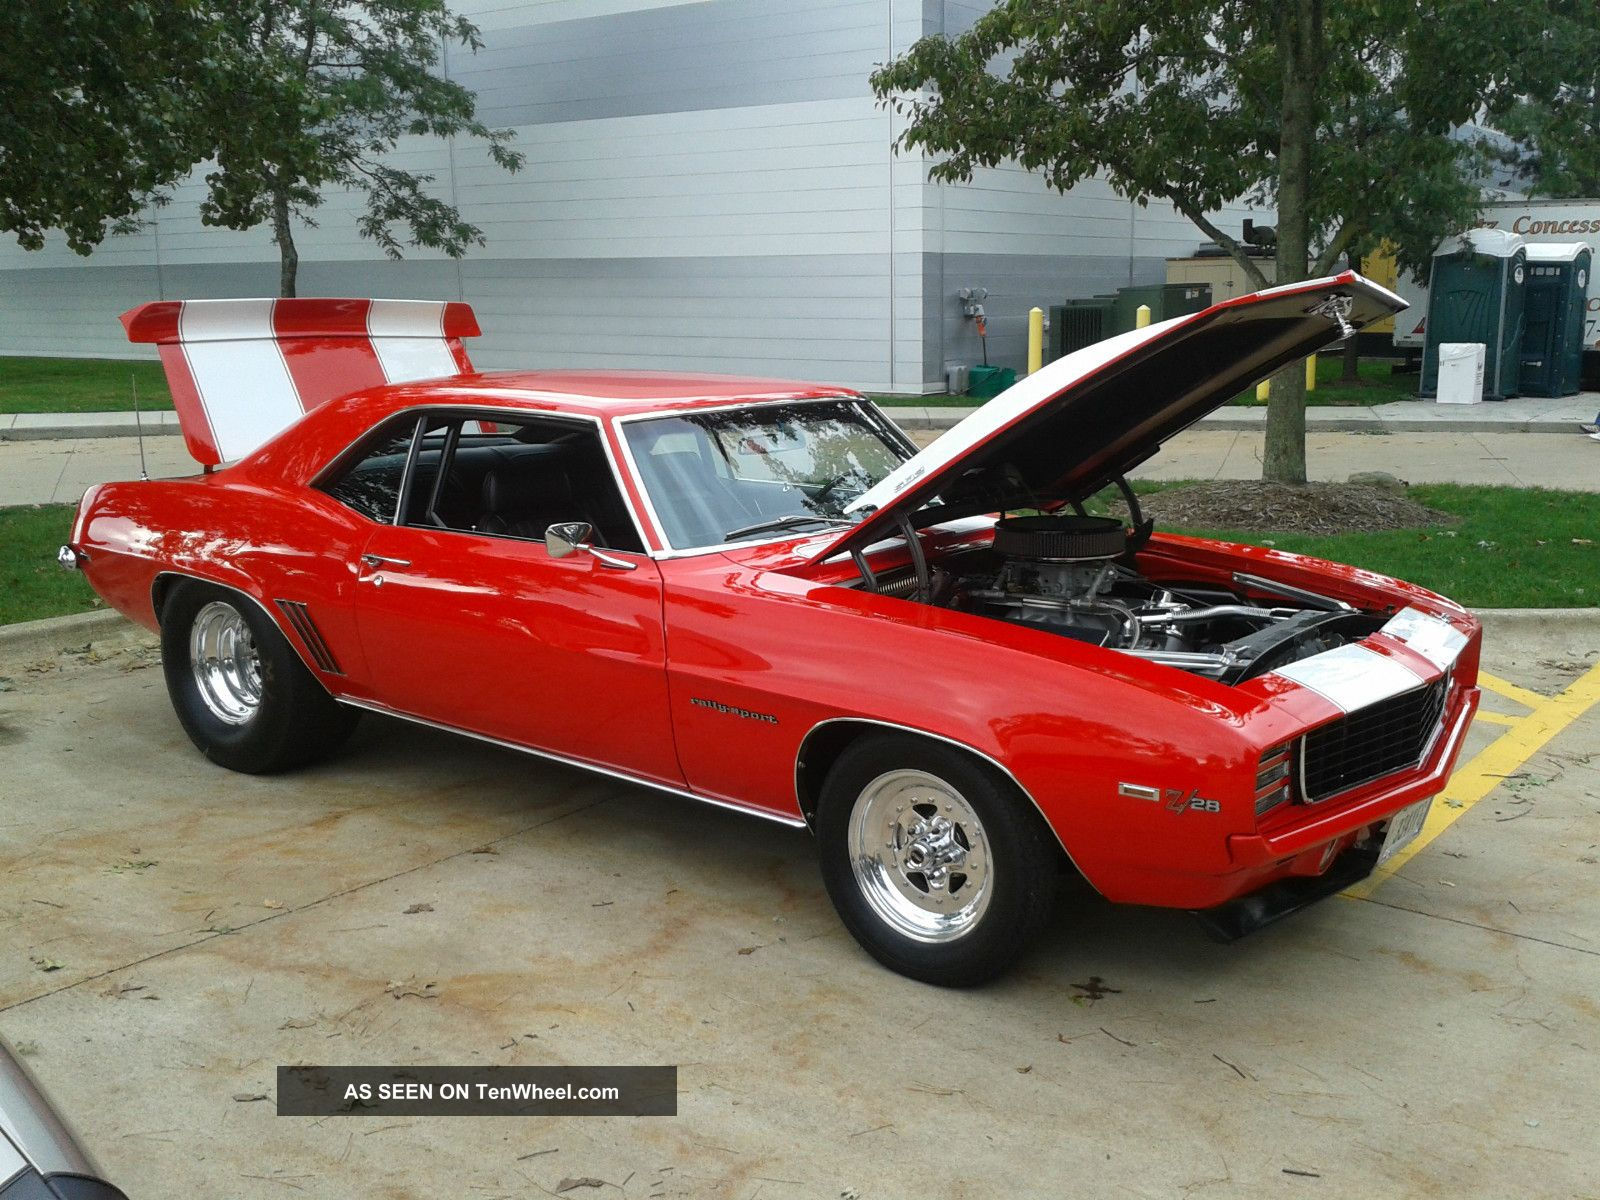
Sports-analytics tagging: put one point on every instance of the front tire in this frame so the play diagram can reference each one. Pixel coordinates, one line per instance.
(240, 691)
(936, 863)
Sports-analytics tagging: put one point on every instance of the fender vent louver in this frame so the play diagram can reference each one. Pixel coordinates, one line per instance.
(300, 619)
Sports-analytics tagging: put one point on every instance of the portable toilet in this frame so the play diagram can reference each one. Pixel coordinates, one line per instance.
(1552, 342)
(1475, 294)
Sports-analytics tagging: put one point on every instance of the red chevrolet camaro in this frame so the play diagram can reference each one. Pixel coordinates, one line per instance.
(761, 595)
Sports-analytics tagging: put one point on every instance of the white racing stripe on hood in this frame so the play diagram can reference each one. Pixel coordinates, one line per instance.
(1351, 677)
(1437, 641)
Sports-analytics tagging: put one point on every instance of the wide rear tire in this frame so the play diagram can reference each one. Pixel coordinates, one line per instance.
(239, 689)
(937, 864)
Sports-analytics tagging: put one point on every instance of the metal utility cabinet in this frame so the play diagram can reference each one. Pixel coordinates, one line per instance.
(1083, 322)
(1476, 294)
(1552, 342)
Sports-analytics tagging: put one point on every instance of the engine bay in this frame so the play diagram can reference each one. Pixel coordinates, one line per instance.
(1072, 575)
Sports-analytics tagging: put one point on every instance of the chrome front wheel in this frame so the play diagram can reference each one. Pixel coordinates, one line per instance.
(225, 663)
(920, 856)
(937, 862)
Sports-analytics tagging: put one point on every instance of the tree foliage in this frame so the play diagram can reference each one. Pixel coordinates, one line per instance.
(1337, 112)
(1555, 120)
(108, 102)
(101, 109)
(320, 95)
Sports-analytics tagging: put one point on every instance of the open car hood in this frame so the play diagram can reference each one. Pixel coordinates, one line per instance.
(1080, 422)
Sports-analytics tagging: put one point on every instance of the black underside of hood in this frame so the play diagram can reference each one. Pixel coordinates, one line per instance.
(1116, 407)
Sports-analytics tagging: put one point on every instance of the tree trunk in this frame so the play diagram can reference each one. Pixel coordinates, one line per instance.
(1352, 345)
(1299, 59)
(283, 234)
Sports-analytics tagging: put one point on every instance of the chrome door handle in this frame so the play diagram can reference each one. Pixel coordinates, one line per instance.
(378, 560)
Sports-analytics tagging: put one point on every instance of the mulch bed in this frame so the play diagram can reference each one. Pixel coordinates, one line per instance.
(1315, 508)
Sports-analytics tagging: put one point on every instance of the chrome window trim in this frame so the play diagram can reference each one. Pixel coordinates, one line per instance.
(949, 741)
(671, 551)
(610, 772)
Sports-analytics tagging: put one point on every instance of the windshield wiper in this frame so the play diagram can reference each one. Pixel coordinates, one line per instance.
(787, 522)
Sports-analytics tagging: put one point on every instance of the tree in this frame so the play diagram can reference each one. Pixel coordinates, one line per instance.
(321, 93)
(1555, 121)
(102, 104)
(1340, 114)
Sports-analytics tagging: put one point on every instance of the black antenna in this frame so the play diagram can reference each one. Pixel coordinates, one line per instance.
(138, 425)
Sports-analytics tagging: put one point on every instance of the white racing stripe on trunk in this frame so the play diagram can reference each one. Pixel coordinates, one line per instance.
(408, 338)
(244, 385)
(1351, 677)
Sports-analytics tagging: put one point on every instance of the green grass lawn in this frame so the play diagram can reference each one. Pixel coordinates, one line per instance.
(1379, 385)
(1514, 548)
(32, 585)
(49, 385)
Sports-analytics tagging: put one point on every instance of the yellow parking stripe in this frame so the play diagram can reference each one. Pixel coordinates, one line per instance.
(1489, 768)
(1511, 691)
(1494, 718)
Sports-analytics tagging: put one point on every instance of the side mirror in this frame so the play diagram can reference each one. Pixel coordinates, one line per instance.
(569, 536)
(561, 540)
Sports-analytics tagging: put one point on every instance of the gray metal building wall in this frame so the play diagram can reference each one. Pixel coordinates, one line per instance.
(710, 186)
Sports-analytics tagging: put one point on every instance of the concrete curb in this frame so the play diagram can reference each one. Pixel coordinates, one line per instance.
(66, 433)
(28, 641)
(1566, 617)
(30, 427)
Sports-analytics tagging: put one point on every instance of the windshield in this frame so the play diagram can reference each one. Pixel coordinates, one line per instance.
(749, 473)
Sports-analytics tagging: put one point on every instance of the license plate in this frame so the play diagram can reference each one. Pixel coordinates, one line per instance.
(1403, 829)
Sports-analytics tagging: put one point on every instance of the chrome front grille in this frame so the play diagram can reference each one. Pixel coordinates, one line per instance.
(1372, 742)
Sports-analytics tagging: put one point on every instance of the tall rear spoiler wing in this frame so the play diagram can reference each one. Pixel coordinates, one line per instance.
(243, 371)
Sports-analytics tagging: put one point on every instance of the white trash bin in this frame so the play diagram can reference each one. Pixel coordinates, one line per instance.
(1461, 373)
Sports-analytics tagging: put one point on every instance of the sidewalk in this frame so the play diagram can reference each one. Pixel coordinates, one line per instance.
(1526, 414)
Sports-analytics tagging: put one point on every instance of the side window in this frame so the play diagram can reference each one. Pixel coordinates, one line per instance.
(518, 480)
(371, 486)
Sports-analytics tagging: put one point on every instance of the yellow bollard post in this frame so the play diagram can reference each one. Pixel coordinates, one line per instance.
(1311, 373)
(1141, 316)
(1263, 390)
(1035, 339)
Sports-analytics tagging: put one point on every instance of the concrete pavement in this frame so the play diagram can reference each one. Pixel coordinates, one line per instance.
(1571, 463)
(196, 928)
(1505, 459)
(58, 472)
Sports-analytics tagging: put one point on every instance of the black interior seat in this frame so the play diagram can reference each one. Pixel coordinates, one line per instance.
(525, 500)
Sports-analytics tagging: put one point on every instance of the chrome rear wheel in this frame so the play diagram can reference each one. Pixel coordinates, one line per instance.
(240, 690)
(225, 663)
